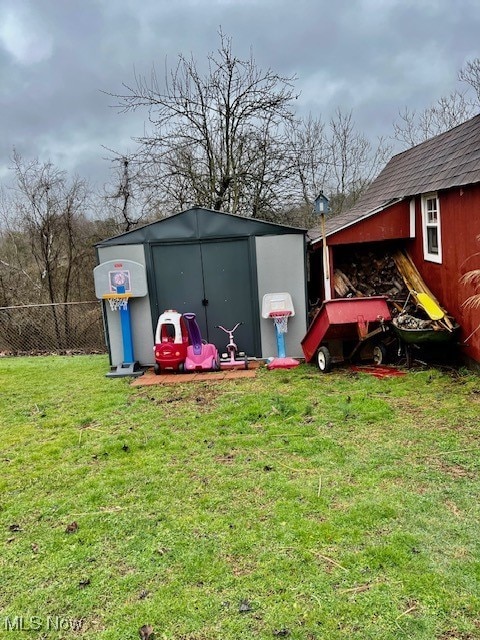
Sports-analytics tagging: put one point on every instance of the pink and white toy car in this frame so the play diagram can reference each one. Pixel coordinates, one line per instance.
(171, 342)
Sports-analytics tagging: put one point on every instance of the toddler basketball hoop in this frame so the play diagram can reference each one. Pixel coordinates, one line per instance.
(117, 282)
(279, 308)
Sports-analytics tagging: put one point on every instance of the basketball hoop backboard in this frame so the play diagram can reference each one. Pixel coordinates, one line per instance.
(116, 276)
(276, 303)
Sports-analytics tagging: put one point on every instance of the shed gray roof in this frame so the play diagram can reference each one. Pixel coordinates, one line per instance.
(451, 159)
(196, 223)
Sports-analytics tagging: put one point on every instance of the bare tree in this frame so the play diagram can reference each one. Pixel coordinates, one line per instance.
(217, 139)
(354, 161)
(310, 148)
(470, 74)
(447, 112)
(336, 159)
(229, 140)
(46, 253)
(45, 234)
(124, 201)
(18, 274)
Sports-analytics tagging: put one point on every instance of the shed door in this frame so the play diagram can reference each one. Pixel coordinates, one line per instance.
(212, 280)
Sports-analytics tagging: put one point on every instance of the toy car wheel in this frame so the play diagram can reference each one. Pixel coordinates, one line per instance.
(324, 360)
(156, 369)
(379, 354)
(181, 367)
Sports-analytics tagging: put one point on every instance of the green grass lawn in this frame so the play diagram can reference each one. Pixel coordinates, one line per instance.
(292, 505)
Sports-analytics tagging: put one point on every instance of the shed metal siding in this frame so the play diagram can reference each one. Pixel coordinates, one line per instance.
(281, 267)
(203, 226)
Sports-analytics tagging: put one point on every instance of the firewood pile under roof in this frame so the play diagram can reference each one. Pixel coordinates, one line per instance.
(370, 274)
(390, 274)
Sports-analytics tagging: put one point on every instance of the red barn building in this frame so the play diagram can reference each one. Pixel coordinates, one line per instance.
(426, 201)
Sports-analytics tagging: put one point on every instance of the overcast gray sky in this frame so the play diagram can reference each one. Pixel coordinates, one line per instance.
(373, 57)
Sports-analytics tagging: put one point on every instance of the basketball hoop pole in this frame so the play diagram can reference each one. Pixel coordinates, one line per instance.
(128, 367)
(280, 336)
(281, 361)
(126, 325)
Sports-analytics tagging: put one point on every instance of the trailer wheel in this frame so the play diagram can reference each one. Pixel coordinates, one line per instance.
(379, 354)
(324, 360)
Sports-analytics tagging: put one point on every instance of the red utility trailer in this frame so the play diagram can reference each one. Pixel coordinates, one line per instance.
(344, 327)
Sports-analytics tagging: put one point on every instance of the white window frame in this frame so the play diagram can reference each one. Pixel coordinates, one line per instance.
(431, 220)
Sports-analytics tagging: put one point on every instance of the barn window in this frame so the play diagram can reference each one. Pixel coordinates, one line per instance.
(432, 246)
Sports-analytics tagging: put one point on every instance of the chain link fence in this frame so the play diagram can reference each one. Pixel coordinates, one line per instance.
(62, 328)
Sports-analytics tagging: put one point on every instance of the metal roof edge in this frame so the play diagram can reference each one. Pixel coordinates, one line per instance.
(199, 208)
(240, 217)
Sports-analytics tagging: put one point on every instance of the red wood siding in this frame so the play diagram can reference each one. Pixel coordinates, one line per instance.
(460, 228)
(391, 224)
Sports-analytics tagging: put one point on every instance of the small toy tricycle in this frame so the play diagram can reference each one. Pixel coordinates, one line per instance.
(232, 358)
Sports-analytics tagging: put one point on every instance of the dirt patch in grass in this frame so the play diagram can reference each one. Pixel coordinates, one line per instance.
(455, 635)
(453, 470)
(201, 398)
(240, 566)
(227, 458)
(475, 396)
(452, 507)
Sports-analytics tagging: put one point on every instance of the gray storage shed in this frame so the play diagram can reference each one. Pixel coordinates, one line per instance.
(218, 266)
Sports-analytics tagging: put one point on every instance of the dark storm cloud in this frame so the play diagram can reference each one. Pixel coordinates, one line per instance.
(371, 56)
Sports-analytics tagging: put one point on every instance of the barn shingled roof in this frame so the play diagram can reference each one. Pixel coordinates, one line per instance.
(451, 159)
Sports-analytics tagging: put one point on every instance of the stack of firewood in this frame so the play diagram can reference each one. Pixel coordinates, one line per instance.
(393, 275)
(370, 274)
